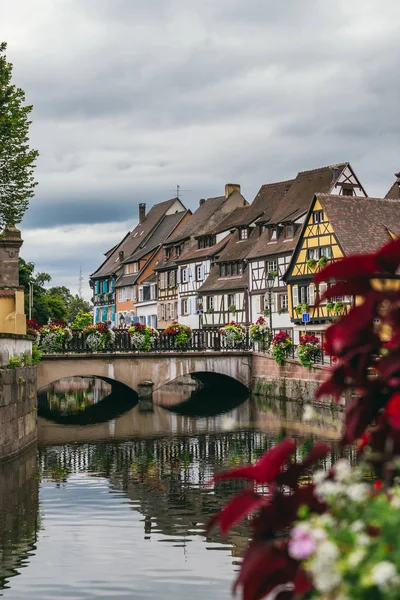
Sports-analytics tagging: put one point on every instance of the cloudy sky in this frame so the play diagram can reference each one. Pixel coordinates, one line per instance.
(132, 98)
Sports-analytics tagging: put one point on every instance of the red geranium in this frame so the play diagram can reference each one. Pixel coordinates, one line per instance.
(309, 338)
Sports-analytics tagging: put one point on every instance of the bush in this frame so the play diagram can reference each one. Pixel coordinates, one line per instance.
(181, 334)
(98, 337)
(82, 320)
(14, 362)
(233, 334)
(260, 332)
(308, 350)
(142, 336)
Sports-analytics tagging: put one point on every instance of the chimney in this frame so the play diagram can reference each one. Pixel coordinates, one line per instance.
(230, 188)
(121, 256)
(202, 200)
(142, 212)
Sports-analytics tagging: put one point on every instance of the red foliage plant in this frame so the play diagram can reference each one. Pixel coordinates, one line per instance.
(309, 338)
(366, 344)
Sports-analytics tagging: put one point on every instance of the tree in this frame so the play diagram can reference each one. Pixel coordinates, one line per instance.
(77, 305)
(17, 160)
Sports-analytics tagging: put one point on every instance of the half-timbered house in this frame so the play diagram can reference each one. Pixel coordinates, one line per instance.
(279, 233)
(335, 226)
(188, 256)
(102, 281)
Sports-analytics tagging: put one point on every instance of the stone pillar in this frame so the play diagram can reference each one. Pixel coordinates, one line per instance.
(10, 244)
(146, 396)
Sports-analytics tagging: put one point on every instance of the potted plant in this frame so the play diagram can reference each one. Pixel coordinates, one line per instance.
(180, 334)
(323, 261)
(338, 307)
(233, 333)
(51, 338)
(308, 350)
(311, 263)
(301, 308)
(232, 309)
(273, 274)
(330, 306)
(282, 310)
(266, 312)
(281, 343)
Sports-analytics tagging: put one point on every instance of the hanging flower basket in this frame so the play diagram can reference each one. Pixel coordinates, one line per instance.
(309, 349)
(99, 337)
(280, 345)
(233, 334)
(52, 338)
(142, 337)
(179, 334)
(260, 332)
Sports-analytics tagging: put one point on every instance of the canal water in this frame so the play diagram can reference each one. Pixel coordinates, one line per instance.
(114, 502)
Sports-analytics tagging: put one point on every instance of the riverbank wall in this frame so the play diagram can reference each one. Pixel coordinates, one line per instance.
(290, 381)
(18, 410)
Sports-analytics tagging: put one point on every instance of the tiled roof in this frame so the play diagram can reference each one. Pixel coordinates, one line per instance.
(8, 293)
(264, 247)
(394, 192)
(198, 221)
(215, 283)
(194, 253)
(133, 239)
(150, 279)
(302, 191)
(361, 224)
(164, 229)
(238, 249)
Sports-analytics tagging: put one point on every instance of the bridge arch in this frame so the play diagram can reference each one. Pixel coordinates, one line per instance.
(132, 369)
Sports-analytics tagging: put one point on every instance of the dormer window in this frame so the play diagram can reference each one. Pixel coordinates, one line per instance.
(243, 233)
(135, 267)
(289, 231)
(206, 242)
(178, 251)
(347, 191)
(167, 253)
(272, 234)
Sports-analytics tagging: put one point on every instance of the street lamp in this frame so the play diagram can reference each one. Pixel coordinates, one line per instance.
(270, 285)
(121, 321)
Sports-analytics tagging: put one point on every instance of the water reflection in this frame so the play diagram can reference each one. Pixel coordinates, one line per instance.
(124, 503)
(19, 514)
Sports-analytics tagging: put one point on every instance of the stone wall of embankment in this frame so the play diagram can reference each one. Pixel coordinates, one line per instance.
(18, 410)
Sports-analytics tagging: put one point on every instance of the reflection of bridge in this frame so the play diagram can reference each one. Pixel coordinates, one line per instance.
(134, 369)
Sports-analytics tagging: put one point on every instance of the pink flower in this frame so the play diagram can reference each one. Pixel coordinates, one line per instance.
(301, 545)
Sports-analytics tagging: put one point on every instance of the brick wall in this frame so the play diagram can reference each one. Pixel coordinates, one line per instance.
(18, 414)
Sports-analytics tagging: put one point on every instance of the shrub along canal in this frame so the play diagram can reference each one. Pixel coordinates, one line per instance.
(113, 503)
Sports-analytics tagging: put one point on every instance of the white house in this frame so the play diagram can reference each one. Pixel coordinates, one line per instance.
(146, 305)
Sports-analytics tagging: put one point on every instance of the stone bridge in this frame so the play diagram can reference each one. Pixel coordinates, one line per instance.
(133, 369)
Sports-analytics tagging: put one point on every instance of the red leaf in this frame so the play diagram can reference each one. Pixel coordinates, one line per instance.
(392, 411)
(347, 267)
(291, 476)
(334, 386)
(388, 257)
(302, 583)
(267, 468)
(355, 287)
(360, 413)
(237, 508)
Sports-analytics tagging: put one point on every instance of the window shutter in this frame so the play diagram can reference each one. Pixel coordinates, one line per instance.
(203, 272)
(193, 307)
(322, 289)
(178, 276)
(311, 294)
(295, 295)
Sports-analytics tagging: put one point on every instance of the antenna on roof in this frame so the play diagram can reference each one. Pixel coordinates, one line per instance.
(178, 191)
(80, 282)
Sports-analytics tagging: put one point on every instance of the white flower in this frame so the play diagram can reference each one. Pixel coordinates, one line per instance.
(326, 520)
(342, 469)
(319, 477)
(308, 413)
(383, 573)
(326, 581)
(355, 557)
(363, 539)
(395, 502)
(328, 488)
(357, 491)
(357, 526)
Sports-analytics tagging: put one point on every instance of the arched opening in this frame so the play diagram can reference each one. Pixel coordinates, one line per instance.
(85, 400)
(202, 394)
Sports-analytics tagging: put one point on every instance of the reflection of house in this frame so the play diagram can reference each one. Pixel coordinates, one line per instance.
(103, 279)
(335, 226)
(188, 255)
(280, 230)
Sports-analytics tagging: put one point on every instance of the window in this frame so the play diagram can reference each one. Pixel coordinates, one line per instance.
(240, 268)
(283, 302)
(178, 250)
(126, 269)
(184, 275)
(347, 191)
(135, 267)
(120, 294)
(163, 312)
(289, 231)
(171, 279)
(185, 307)
(140, 294)
(210, 302)
(317, 253)
(272, 234)
(153, 293)
(154, 321)
(142, 320)
(318, 216)
(222, 270)
(199, 273)
(243, 233)
(167, 253)
(161, 281)
(231, 300)
(272, 265)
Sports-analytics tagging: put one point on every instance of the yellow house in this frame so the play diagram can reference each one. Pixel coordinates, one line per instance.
(335, 226)
(12, 317)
